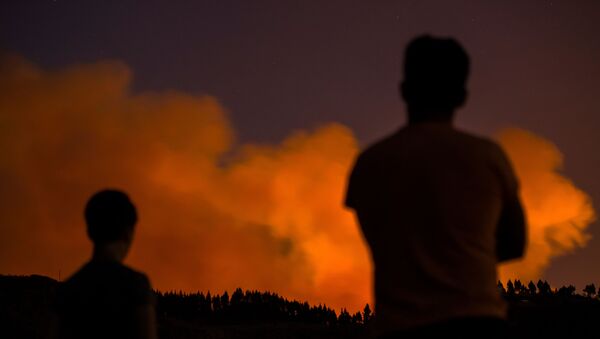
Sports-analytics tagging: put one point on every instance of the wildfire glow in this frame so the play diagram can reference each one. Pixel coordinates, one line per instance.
(270, 217)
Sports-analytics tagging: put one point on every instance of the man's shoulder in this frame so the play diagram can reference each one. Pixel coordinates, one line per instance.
(494, 151)
(95, 272)
(379, 147)
(134, 277)
(408, 136)
(476, 138)
(106, 282)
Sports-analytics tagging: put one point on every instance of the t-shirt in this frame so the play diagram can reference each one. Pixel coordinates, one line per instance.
(101, 299)
(428, 199)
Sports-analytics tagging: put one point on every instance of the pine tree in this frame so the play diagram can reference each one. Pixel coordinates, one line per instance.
(357, 318)
(518, 287)
(510, 288)
(590, 290)
(225, 300)
(532, 289)
(344, 317)
(367, 314)
(501, 288)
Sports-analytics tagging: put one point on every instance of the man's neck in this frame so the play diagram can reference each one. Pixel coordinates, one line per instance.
(436, 119)
(109, 252)
(430, 117)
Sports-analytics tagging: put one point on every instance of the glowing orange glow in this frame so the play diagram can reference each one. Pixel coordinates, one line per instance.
(558, 213)
(268, 218)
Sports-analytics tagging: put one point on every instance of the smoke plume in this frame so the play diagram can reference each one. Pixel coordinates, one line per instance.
(212, 216)
(558, 213)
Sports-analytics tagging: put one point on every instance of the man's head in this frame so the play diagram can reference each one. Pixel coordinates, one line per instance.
(110, 217)
(435, 76)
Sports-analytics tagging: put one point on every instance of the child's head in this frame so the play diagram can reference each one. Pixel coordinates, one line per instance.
(110, 217)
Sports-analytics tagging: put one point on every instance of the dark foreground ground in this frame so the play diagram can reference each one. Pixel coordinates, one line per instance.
(26, 308)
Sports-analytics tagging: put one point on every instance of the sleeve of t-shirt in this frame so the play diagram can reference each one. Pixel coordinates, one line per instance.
(508, 178)
(511, 234)
(142, 293)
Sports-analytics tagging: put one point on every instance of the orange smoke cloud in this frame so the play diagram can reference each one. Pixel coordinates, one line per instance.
(268, 218)
(558, 213)
(212, 217)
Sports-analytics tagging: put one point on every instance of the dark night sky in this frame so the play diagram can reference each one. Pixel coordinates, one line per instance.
(278, 66)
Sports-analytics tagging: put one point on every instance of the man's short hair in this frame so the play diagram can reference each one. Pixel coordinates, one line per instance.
(435, 72)
(109, 215)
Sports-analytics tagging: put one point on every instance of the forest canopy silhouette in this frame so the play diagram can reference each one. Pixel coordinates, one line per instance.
(214, 215)
(535, 310)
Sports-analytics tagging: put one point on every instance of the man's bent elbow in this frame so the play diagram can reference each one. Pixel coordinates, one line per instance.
(511, 250)
(511, 236)
(508, 254)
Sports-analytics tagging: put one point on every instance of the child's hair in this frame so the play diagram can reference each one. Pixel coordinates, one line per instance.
(109, 215)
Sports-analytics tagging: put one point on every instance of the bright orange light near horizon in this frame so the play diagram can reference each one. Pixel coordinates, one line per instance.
(558, 213)
(270, 218)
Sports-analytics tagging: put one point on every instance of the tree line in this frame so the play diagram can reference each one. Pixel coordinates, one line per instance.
(543, 289)
(535, 310)
(252, 307)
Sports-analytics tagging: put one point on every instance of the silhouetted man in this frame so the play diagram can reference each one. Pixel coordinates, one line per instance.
(106, 299)
(438, 207)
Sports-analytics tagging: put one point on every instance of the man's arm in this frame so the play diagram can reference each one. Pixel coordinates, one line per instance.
(511, 232)
(357, 197)
(145, 310)
(146, 321)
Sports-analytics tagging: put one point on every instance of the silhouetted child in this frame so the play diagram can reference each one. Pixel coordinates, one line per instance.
(106, 299)
(438, 207)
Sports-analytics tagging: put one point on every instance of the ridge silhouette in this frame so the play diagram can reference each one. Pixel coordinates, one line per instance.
(543, 312)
